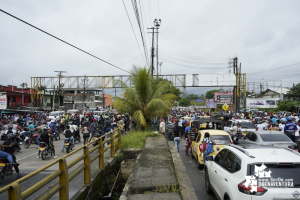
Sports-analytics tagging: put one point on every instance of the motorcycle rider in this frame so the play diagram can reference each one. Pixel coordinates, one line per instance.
(3, 154)
(11, 149)
(68, 135)
(52, 127)
(45, 137)
(30, 127)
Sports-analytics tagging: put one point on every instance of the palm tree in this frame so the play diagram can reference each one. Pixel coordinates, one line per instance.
(147, 98)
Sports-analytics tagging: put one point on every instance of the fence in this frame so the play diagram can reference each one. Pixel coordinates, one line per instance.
(14, 190)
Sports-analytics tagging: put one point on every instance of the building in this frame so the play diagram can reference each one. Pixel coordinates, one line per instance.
(16, 97)
(267, 99)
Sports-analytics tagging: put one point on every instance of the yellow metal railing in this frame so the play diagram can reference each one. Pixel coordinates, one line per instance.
(14, 190)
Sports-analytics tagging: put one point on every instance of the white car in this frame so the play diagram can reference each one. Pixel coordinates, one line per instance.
(254, 172)
(55, 114)
(245, 125)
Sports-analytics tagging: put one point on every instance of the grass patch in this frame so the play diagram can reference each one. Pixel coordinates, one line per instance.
(136, 139)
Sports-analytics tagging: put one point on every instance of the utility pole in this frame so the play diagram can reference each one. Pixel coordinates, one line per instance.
(59, 85)
(152, 51)
(157, 25)
(235, 71)
(84, 79)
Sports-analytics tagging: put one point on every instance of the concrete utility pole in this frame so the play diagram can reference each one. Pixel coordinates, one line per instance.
(235, 60)
(59, 85)
(152, 51)
(84, 79)
(157, 25)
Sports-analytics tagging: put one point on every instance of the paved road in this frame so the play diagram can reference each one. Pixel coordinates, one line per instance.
(194, 174)
(29, 163)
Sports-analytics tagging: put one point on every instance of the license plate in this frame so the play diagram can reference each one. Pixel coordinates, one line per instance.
(95, 138)
(2, 164)
(41, 149)
(67, 144)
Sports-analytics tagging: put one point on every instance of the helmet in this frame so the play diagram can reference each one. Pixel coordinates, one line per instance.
(45, 128)
(289, 119)
(10, 136)
(94, 120)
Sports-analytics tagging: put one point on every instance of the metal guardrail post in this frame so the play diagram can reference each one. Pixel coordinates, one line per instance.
(119, 139)
(101, 152)
(64, 180)
(112, 142)
(14, 192)
(87, 163)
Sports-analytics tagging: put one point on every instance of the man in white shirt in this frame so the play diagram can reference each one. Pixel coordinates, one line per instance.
(297, 134)
(162, 126)
(260, 127)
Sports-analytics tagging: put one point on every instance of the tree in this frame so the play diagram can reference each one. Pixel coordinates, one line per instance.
(185, 102)
(193, 96)
(210, 94)
(147, 98)
(286, 105)
(294, 92)
(23, 85)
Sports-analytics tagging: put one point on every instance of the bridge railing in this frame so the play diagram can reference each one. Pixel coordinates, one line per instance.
(14, 189)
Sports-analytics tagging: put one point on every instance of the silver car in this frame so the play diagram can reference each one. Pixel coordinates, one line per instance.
(268, 138)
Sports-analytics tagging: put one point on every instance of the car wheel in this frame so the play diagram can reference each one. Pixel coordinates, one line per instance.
(207, 183)
(192, 155)
(199, 165)
(227, 198)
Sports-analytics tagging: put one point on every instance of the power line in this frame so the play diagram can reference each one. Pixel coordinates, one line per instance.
(193, 61)
(136, 11)
(63, 41)
(185, 55)
(283, 67)
(133, 31)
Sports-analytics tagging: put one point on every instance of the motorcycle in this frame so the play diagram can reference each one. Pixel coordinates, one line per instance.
(95, 137)
(57, 130)
(77, 136)
(31, 138)
(68, 144)
(45, 150)
(6, 169)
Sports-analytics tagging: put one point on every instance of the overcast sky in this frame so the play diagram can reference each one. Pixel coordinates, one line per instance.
(264, 35)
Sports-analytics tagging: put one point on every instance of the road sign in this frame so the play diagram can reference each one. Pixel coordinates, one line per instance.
(225, 106)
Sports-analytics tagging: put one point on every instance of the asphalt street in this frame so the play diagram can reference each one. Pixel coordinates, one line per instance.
(196, 177)
(29, 162)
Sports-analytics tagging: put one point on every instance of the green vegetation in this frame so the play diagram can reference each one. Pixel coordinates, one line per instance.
(136, 139)
(163, 188)
(294, 92)
(286, 105)
(146, 98)
(184, 102)
(210, 94)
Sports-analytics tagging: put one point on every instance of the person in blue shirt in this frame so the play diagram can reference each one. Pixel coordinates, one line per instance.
(30, 127)
(52, 127)
(290, 129)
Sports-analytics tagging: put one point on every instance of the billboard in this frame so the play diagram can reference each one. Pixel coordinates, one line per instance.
(261, 103)
(210, 103)
(223, 97)
(3, 101)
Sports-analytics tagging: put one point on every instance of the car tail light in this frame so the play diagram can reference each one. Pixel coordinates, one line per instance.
(247, 190)
(42, 145)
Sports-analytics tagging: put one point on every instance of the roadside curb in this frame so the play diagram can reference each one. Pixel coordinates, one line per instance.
(186, 188)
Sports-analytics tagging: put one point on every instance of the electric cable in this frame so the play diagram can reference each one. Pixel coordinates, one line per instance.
(133, 30)
(63, 41)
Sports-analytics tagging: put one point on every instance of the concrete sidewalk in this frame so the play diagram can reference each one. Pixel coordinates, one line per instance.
(155, 171)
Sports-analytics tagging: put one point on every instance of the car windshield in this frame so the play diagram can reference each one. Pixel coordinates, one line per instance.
(220, 139)
(277, 175)
(53, 114)
(274, 138)
(247, 125)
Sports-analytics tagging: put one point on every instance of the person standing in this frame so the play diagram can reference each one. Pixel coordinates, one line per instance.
(290, 129)
(177, 137)
(86, 135)
(190, 137)
(205, 141)
(162, 127)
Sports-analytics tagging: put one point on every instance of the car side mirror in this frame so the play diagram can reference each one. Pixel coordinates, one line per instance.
(209, 158)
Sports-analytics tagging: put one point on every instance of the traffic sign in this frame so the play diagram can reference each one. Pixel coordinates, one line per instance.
(225, 106)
